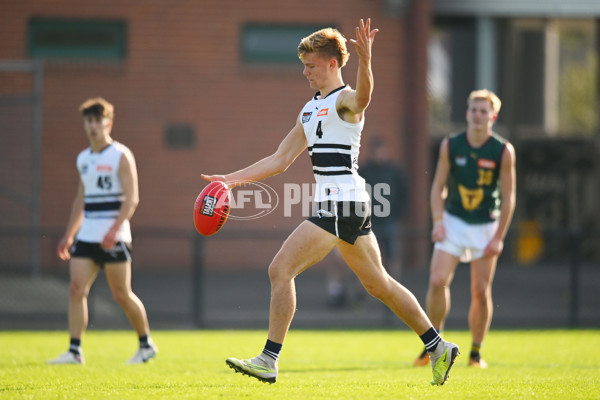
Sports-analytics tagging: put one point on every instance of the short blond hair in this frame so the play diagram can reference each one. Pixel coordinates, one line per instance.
(328, 42)
(97, 107)
(484, 94)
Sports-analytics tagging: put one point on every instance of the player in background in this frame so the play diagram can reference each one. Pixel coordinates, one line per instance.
(477, 168)
(98, 233)
(329, 125)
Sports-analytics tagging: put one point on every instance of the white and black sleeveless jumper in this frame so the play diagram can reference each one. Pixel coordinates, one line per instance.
(103, 193)
(333, 146)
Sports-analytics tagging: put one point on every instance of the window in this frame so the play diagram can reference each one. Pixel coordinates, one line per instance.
(528, 77)
(552, 71)
(578, 78)
(547, 75)
(274, 44)
(76, 39)
(451, 75)
(179, 136)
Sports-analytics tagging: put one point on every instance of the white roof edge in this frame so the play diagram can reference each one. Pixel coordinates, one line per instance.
(514, 8)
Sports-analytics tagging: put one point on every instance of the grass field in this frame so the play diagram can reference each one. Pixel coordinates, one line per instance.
(313, 365)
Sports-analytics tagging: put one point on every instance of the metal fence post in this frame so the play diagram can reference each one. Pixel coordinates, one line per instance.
(36, 243)
(198, 280)
(575, 238)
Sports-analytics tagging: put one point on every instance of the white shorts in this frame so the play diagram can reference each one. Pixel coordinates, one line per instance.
(466, 241)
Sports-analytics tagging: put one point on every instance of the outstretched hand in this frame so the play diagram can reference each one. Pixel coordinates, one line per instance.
(364, 39)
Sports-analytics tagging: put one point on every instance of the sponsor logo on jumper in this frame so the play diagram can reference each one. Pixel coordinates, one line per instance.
(322, 112)
(306, 117)
(103, 168)
(332, 191)
(460, 161)
(488, 164)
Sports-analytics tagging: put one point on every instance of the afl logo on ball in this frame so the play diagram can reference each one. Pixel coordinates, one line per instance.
(208, 205)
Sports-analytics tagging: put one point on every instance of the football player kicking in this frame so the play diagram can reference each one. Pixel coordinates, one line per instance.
(330, 126)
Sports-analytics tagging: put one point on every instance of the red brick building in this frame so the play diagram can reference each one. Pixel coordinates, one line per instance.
(185, 67)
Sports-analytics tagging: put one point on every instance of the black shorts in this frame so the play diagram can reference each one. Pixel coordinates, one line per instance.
(121, 252)
(347, 220)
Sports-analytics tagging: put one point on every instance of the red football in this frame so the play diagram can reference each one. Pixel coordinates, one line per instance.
(211, 208)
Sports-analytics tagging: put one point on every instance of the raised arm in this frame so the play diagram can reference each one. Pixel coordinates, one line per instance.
(357, 101)
(289, 149)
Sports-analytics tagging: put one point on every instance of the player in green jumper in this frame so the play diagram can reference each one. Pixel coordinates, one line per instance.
(472, 204)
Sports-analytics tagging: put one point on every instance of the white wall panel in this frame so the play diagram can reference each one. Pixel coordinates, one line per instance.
(513, 8)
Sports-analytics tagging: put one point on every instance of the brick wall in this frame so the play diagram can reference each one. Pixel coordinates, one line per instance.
(183, 65)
